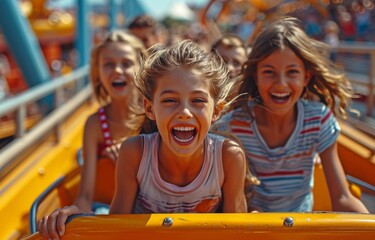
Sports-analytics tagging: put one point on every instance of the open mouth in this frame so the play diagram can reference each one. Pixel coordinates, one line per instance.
(119, 83)
(184, 134)
(280, 97)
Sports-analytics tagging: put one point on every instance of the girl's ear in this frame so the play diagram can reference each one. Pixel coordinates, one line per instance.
(217, 111)
(308, 75)
(148, 109)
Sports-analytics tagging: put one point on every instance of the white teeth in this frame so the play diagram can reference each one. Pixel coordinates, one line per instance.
(184, 128)
(280, 94)
(184, 140)
(118, 81)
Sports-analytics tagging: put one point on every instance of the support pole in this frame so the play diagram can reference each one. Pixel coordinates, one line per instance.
(113, 14)
(24, 46)
(83, 39)
(83, 33)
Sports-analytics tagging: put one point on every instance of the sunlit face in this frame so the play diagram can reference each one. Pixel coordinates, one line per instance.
(281, 78)
(146, 35)
(235, 57)
(183, 109)
(117, 64)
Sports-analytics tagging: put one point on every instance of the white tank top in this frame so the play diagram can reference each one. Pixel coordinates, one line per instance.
(203, 194)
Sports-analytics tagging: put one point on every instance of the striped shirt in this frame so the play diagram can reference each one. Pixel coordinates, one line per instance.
(203, 194)
(286, 172)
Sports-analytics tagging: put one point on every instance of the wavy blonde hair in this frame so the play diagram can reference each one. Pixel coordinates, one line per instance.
(101, 94)
(116, 36)
(328, 82)
(189, 55)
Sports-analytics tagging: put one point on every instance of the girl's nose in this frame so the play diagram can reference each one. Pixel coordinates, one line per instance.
(185, 113)
(118, 68)
(231, 67)
(282, 79)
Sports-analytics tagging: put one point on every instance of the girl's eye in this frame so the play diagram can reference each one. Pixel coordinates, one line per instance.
(236, 64)
(267, 72)
(168, 100)
(293, 71)
(199, 100)
(127, 64)
(108, 64)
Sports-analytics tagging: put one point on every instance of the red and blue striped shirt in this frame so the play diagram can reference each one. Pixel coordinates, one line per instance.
(286, 172)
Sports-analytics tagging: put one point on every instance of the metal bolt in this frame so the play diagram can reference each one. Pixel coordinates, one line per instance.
(288, 222)
(167, 222)
(41, 171)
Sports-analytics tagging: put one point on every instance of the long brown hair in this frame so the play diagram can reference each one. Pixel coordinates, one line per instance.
(328, 83)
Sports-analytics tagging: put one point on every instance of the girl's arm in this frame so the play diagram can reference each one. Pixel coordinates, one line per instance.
(90, 144)
(341, 197)
(53, 226)
(234, 164)
(127, 165)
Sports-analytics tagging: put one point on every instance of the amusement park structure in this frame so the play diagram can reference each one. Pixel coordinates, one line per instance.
(39, 168)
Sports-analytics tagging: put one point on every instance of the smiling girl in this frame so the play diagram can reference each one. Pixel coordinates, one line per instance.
(113, 65)
(282, 128)
(181, 168)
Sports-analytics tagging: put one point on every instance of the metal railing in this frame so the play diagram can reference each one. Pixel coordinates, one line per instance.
(366, 78)
(52, 122)
(358, 60)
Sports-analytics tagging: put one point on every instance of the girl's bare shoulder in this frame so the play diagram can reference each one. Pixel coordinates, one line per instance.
(233, 154)
(131, 150)
(93, 121)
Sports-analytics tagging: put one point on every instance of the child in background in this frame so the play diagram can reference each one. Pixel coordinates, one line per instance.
(282, 129)
(234, 52)
(181, 168)
(113, 64)
(331, 30)
(145, 28)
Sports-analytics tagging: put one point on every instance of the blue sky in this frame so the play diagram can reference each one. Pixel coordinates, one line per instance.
(158, 8)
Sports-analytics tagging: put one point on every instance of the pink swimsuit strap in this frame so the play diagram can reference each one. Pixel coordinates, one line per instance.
(105, 130)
